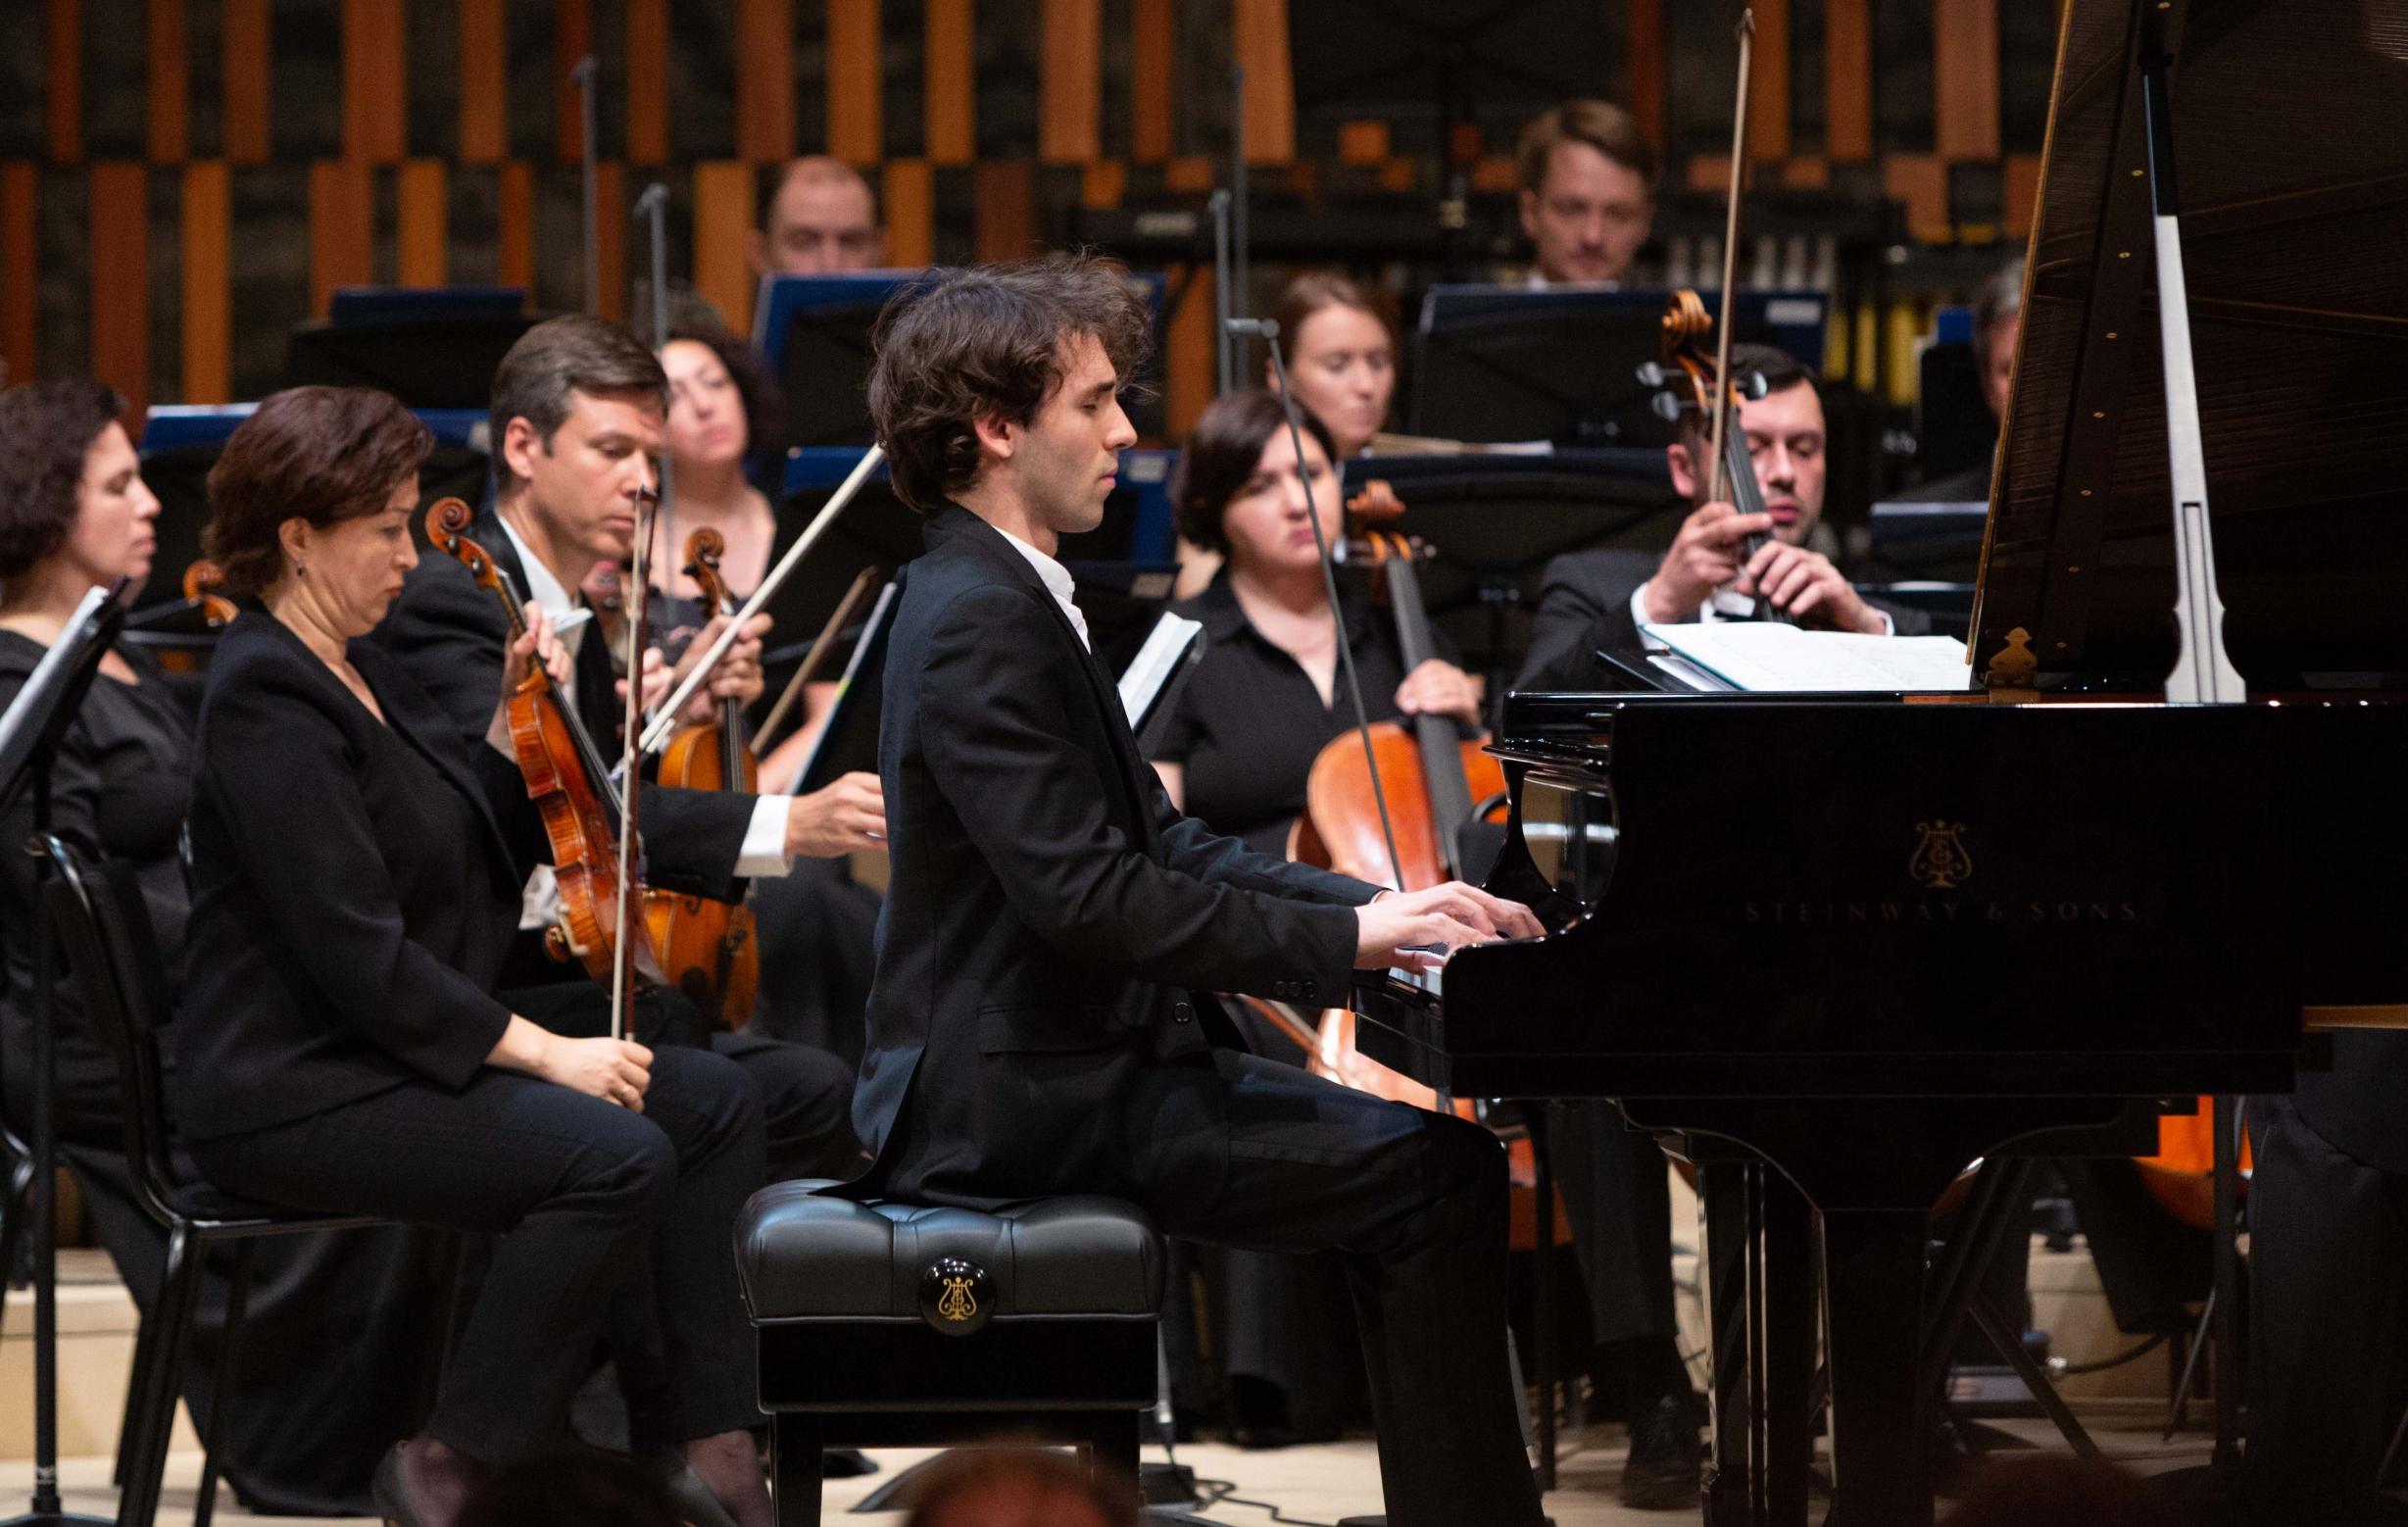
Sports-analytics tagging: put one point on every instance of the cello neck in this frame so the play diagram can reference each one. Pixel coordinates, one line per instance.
(1441, 759)
(1739, 470)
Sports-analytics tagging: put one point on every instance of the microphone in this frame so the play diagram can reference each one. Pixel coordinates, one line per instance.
(1259, 328)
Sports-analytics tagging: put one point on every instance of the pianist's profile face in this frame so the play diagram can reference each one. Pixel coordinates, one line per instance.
(1785, 440)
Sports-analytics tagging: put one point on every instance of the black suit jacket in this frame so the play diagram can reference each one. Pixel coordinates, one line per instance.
(1051, 917)
(1586, 605)
(453, 638)
(345, 931)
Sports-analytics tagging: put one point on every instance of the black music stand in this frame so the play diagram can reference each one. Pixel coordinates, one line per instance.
(30, 732)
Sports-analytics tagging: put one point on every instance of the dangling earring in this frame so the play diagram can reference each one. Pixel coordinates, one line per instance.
(300, 569)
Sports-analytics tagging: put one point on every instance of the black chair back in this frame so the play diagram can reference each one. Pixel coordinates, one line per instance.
(104, 929)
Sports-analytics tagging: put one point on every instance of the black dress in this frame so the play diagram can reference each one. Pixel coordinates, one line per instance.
(333, 1355)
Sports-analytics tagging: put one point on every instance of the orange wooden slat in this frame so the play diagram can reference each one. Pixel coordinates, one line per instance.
(611, 236)
(855, 130)
(1192, 173)
(1806, 172)
(1190, 359)
(723, 220)
(952, 81)
(120, 272)
(375, 71)
(342, 229)
(167, 128)
(764, 81)
(1921, 181)
(648, 54)
(421, 216)
(1004, 209)
(1260, 29)
(243, 29)
(2020, 193)
(1362, 142)
(484, 81)
(207, 282)
(573, 38)
(1103, 182)
(1768, 83)
(1496, 172)
(20, 276)
(1848, 78)
(513, 240)
(1965, 78)
(1070, 82)
(910, 212)
(1154, 33)
(1399, 175)
(63, 106)
(1645, 22)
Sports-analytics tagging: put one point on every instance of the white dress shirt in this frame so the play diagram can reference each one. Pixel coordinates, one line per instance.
(1057, 583)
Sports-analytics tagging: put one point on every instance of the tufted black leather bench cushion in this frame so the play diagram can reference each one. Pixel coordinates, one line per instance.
(803, 1257)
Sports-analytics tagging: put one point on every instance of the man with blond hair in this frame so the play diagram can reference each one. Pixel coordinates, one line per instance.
(1587, 177)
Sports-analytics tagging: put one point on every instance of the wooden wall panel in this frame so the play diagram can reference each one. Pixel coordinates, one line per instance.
(342, 229)
(207, 284)
(1154, 54)
(573, 38)
(764, 81)
(722, 222)
(1006, 208)
(62, 102)
(167, 127)
(1645, 22)
(513, 239)
(951, 53)
(1261, 28)
(1189, 357)
(120, 267)
(376, 81)
(484, 81)
(1848, 78)
(1768, 83)
(2019, 194)
(1070, 94)
(910, 212)
(243, 31)
(20, 277)
(422, 222)
(1965, 78)
(648, 73)
(855, 110)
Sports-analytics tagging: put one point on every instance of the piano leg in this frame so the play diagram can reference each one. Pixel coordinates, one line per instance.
(1726, 1190)
(1873, 1292)
(1788, 1351)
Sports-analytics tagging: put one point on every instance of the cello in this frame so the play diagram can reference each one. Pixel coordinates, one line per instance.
(1730, 471)
(708, 948)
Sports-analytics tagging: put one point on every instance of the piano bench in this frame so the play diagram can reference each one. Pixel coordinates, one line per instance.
(889, 1325)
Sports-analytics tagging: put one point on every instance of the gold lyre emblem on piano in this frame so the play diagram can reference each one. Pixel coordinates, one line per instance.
(958, 1303)
(1940, 861)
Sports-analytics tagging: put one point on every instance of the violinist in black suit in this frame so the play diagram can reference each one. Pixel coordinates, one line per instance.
(1039, 1023)
(577, 420)
(356, 869)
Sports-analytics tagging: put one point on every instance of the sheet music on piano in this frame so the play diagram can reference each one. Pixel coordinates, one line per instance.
(1765, 657)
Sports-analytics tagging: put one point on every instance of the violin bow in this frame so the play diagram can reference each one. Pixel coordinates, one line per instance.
(1715, 486)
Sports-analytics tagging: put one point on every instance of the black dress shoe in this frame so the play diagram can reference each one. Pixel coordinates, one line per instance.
(1661, 1472)
(846, 1463)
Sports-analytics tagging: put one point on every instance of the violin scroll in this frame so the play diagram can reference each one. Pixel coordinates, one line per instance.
(201, 580)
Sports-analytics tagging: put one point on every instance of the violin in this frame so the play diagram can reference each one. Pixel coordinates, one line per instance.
(570, 783)
(1730, 472)
(201, 581)
(708, 948)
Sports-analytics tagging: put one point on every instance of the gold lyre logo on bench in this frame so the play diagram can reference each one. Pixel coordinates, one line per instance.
(958, 1303)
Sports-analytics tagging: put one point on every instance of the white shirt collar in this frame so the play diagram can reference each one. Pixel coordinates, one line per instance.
(1057, 578)
(546, 590)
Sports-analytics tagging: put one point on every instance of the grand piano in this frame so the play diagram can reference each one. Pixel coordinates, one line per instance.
(1863, 941)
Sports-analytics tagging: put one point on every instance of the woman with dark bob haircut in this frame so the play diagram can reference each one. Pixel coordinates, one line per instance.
(357, 863)
(1256, 711)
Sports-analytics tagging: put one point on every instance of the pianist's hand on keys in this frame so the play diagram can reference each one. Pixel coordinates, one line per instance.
(1415, 930)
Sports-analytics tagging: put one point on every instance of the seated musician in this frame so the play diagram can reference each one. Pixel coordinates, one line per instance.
(1342, 358)
(822, 219)
(330, 1328)
(1040, 1024)
(1587, 193)
(815, 924)
(1600, 598)
(357, 864)
(577, 413)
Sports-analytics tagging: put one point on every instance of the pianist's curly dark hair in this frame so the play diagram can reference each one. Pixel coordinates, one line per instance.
(319, 453)
(985, 342)
(46, 431)
(1220, 456)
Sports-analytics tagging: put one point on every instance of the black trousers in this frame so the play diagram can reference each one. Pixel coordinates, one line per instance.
(817, 928)
(2328, 1322)
(1618, 1203)
(578, 1191)
(1233, 1149)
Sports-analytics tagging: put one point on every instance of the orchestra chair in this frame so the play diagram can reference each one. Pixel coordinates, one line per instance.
(889, 1325)
(104, 931)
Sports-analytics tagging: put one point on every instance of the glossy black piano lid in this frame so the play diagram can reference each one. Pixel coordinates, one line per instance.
(2291, 152)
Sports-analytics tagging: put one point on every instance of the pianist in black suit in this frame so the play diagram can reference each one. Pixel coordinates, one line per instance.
(357, 863)
(1599, 598)
(1039, 1023)
(578, 414)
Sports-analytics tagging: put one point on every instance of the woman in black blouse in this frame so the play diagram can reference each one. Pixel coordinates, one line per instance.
(356, 867)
